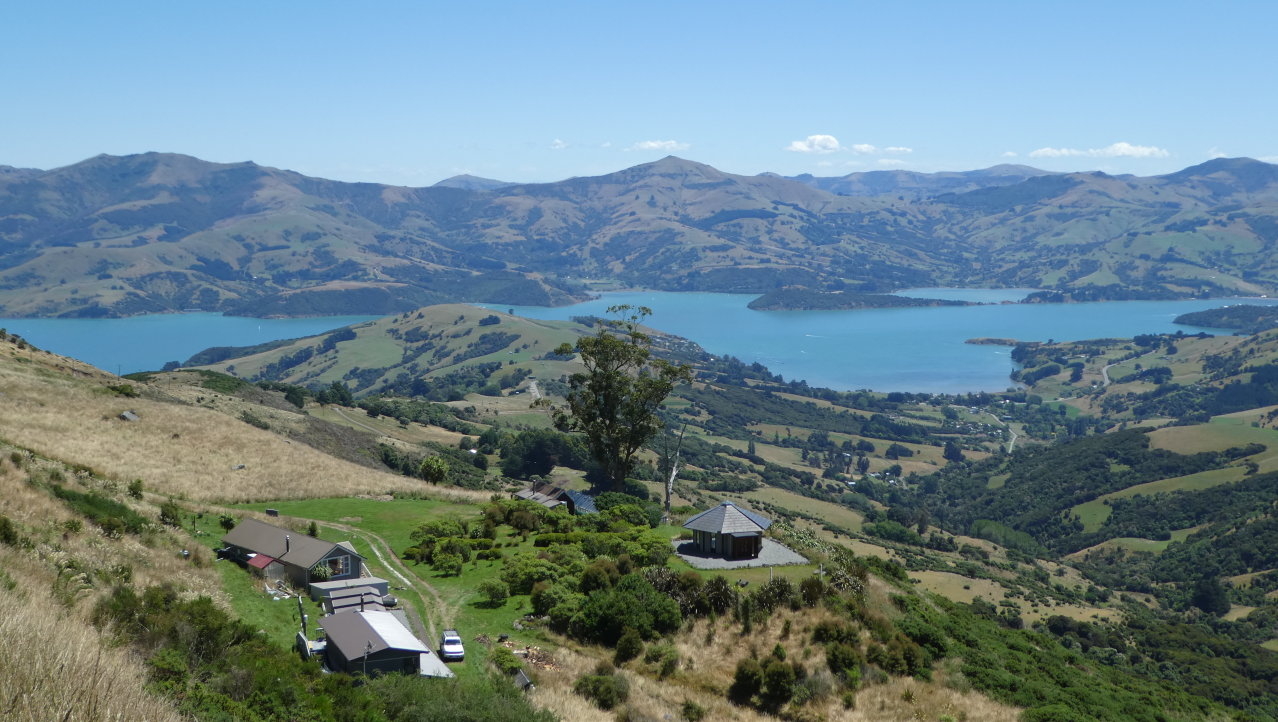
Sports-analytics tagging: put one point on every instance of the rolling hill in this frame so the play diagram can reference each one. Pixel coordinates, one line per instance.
(162, 232)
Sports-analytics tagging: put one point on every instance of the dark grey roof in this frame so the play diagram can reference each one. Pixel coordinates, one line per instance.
(359, 599)
(548, 497)
(355, 632)
(303, 551)
(584, 502)
(728, 518)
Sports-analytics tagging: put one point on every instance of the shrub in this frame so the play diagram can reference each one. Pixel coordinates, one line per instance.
(632, 603)
(505, 660)
(171, 513)
(605, 690)
(628, 647)
(447, 564)
(845, 662)
(746, 682)
(692, 712)
(494, 592)
(8, 532)
(665, 656)
(135, 488)
(778, 683)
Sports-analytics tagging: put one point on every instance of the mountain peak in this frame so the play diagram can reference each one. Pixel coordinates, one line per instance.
(466, 181)
(1247, 174)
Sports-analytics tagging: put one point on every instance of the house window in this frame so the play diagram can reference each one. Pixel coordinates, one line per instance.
(337, 566)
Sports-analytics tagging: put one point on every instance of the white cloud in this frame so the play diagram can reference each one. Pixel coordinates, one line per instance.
(815, 144)
(1268, 158)
(1009, 154)
(606, 144)
(1114, 150)
(558, 144)
(891, 162)
(829, 144)
(660, 145)
(1216, 153)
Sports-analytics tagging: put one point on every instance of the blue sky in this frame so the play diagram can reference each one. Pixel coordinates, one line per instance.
(413, 92)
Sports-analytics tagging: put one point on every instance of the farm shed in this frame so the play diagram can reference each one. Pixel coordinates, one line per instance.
(374, 643)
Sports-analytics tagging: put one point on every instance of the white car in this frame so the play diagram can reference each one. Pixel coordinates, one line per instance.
(450, 646)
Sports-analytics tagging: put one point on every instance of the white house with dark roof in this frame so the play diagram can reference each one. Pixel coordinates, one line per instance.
(728, 531)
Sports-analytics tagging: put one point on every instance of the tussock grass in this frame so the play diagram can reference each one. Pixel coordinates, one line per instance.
(61, 409)
(56, 665)
(56, 668)
(709, 653)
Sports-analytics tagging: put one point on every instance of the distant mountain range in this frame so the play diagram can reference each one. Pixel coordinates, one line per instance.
(160, 232)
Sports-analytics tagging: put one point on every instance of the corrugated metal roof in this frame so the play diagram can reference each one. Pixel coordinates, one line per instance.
(584, 502)
(728, 518)
(260, 561)
(356, 632)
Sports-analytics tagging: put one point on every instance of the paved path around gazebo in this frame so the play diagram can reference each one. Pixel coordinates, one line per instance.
(773, 554)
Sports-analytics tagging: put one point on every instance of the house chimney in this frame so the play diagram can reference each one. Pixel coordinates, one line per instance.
(286, 543)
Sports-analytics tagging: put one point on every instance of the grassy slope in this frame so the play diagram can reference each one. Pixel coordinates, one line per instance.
(383, 344)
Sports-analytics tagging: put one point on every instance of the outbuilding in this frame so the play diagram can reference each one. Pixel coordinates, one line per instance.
(376, 642)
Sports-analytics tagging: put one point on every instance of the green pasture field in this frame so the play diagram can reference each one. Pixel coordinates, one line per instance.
(836, 514)
(1094, 513)
(1135, 544)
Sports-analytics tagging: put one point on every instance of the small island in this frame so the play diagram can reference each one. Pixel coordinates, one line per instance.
(798, 298)
(989, 341)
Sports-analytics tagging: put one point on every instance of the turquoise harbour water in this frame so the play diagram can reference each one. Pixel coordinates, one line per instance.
(898, 349)
(894, 349)
(146, 343)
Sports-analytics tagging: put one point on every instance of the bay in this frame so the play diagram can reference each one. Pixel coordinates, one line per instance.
(897, 349)
(890, 349)
(146, 343)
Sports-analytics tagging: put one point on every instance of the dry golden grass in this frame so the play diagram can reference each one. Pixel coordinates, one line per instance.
(709, 653)
(57, 668)
(62, 409)
(56, 665)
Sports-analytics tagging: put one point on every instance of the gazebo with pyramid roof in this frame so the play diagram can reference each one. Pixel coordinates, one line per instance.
(728, 531)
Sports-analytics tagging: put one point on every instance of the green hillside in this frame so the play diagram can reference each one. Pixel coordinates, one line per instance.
(160, 232)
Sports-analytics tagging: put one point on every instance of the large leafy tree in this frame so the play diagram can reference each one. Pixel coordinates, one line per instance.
(614, 402)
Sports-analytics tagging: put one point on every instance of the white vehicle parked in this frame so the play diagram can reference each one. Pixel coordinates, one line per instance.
(450, 646)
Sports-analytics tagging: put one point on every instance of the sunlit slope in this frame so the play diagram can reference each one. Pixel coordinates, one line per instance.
(396, 350)
(70, 411)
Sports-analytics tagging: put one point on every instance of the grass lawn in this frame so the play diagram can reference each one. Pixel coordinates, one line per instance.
(394, 520)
